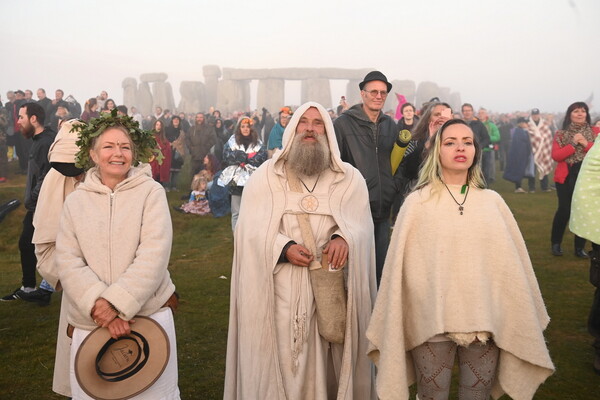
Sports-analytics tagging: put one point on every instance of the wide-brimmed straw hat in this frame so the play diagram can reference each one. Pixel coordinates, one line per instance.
(109, 369)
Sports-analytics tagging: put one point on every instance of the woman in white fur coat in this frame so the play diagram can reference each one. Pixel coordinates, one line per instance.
(114, 244)
(468, 290)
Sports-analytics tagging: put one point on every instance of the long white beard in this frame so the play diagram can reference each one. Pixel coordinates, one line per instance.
(309, 159)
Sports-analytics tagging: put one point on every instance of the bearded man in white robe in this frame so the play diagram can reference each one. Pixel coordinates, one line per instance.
(275, 347)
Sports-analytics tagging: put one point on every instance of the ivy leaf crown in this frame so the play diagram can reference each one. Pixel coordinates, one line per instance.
(146, 147)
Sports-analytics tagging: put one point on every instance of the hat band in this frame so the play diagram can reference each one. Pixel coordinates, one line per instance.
(133, 368)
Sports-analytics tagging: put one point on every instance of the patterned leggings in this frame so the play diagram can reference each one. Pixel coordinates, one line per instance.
(433, 363)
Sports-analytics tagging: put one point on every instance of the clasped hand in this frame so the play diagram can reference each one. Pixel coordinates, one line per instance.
(336, 249)
(104, 315)
(578, 138)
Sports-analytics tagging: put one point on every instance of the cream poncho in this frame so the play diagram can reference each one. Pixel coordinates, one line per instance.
(452, 273)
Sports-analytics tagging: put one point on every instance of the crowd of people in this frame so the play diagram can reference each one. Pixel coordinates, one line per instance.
(341, 275)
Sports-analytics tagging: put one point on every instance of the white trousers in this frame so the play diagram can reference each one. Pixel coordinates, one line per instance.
(165, 388)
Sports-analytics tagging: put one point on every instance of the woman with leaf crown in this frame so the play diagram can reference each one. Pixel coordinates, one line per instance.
(114, 243)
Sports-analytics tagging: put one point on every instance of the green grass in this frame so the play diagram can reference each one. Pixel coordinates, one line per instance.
(202, 250)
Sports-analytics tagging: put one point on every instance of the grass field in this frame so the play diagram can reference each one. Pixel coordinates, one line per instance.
(202, 250)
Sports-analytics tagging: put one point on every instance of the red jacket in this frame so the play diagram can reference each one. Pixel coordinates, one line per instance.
(162, 172)
(560, 154)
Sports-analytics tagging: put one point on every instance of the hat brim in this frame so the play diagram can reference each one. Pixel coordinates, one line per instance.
(363, 83)
(98, 388)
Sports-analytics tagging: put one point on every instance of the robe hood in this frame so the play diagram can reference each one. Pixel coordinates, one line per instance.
(290, 130)
(135, 177)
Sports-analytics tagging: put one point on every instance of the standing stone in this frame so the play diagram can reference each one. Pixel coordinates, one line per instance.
(160, 95)
(212, 73)
(353, 92)
(129, 86)
(425, 92)
(170, 99)
(144, 99)
(193, 97)
(317, 90)
(245, 87)
(270, 94)
(233, 95)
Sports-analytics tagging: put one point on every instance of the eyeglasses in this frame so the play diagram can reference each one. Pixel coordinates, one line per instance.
(374, 93)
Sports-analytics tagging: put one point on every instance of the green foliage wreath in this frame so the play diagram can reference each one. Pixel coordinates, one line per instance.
(146, 148)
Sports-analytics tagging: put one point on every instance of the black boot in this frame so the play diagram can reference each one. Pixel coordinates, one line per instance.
(581, 253)
(556, 250)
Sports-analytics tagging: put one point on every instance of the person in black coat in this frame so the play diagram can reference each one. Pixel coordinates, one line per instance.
(366, 137)
(519, 156)
(31, 121)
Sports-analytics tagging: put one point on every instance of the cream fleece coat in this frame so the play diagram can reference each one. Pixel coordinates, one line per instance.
(253, 368)
(452, 273)
(115, 245)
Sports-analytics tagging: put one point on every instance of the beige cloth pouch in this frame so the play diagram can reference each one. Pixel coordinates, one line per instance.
(328, 286)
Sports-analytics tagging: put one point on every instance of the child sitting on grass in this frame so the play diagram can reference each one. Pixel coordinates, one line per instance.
(198, 203)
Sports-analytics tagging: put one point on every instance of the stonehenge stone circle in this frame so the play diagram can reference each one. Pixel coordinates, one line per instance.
(228, 89)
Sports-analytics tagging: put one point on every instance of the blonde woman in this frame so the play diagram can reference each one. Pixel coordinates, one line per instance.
(458, 282)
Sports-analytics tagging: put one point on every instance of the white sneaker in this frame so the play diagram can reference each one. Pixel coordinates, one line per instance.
(520, 190)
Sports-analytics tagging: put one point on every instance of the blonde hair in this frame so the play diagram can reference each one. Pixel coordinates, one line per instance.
(199, 182)
(431, 169)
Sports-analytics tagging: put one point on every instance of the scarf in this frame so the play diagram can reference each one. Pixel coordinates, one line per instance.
(541, 146)
(566, 137)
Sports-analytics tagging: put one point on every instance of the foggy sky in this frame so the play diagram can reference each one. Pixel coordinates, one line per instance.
(503, 55)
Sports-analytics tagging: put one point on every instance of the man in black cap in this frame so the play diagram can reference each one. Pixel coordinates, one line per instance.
(366, 138)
